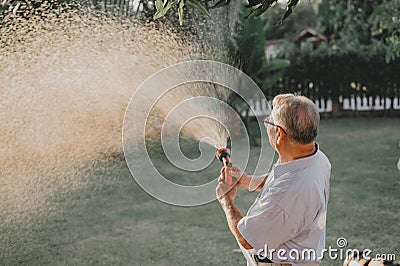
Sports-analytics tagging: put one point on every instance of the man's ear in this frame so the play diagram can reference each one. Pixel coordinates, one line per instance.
(280, 135)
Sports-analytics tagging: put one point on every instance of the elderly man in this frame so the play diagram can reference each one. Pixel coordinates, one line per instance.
(287, 222)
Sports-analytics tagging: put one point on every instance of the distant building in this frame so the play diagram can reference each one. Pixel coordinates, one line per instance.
(273, 47)
(307, 37)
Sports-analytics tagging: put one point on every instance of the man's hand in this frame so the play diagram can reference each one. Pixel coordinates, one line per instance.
(225, 195)
(223, 191)
(233, 175)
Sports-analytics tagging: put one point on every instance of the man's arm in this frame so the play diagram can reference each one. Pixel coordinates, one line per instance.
(233, 216)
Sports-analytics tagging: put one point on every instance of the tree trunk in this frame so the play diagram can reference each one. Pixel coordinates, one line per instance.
(336, 107)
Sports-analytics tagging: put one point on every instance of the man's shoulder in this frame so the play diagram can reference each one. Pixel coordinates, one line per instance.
(315, 165)
(321, 157)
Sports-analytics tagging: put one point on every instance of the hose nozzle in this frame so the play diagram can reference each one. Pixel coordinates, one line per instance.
(224, 155)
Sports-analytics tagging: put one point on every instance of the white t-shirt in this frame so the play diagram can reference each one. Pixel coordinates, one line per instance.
(288, 218)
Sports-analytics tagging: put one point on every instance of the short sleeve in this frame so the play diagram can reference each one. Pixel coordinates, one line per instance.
(271, 227)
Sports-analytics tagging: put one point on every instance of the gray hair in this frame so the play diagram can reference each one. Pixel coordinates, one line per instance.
(298, 115)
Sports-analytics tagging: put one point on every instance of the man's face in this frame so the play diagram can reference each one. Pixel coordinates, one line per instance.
(271, 129)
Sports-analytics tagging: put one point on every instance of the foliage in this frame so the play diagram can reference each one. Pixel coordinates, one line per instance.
(359, 23)
(248, 47)
(304, 17)
(386, 24)
(257, 7)
(361, 57)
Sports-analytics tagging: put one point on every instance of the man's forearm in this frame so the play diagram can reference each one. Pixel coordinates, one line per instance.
(233, 216)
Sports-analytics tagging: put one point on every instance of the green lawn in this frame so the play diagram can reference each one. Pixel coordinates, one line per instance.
(113, 221)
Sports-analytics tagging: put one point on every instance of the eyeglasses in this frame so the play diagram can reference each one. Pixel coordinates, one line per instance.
(268, 122)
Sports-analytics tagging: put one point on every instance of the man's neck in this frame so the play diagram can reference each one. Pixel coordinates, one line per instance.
(292, 152)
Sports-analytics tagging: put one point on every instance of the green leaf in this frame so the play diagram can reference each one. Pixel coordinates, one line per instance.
(169, 4)
(289, 10)
(159, 5)
(157, 15)
(180, 11)
(220, 3)
(255, 12)
(253, 3)
(196, 4)
(162, 10)
(265, 4)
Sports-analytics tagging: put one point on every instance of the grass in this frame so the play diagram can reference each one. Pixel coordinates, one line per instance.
(365, 182)
(113, 221)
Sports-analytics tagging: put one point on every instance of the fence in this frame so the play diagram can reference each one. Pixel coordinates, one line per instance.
(261, 107)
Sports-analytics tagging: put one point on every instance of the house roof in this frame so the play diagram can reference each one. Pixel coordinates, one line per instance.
(309, 33)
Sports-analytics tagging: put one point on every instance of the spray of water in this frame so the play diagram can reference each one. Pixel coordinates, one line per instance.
(65, 81)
